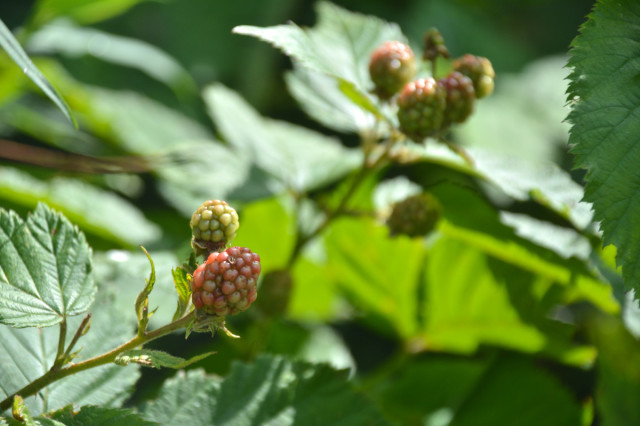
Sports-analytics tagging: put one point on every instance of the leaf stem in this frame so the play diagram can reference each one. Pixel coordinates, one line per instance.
(82, 329)
(61, 341)
(56, 374)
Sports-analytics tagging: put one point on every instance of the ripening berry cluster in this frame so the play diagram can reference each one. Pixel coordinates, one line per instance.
(426, 106)
(226, 283)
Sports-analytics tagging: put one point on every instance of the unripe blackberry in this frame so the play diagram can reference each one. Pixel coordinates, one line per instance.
(479, 70)
(461, 97)
(392, 66)
(226, 283)
(213, 225)
(415, 216)
(421, 106)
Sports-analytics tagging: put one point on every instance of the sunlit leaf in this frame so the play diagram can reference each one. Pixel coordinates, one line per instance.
(45, 269)
(296, 157)
(13, 48)
(29, 353)
(93, 209)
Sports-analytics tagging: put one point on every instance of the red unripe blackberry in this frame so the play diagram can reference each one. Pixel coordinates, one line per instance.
(461, 97)
(421, 106)
(226, 283)
(392, 66)
(479, 70)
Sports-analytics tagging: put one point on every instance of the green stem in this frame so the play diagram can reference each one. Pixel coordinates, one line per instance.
(56, 374)
(61, 341)
(82, 329)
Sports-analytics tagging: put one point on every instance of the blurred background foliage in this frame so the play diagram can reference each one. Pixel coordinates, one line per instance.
(147, 81)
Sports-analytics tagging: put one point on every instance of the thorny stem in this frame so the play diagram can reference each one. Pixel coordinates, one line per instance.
(56, 374)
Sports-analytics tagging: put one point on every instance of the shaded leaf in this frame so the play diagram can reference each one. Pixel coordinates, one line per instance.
(13, 48)
(605, 126)
(270, 391)
(45, 267)
(516, 392)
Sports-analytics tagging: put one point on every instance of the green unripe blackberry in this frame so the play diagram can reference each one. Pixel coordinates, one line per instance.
(213, 225)
(461, 97)
(415, 216)
(479, 70)
(421, 106)
(392, 66)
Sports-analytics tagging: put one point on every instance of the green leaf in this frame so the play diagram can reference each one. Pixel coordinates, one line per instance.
(320, 97)
(380, 277)
(142, 301)
(120, 275)
(296, 158)
(270, 391)
(29, 353)
(82, 11)
(157, 359)
(520, 179)
(21, 412)
(95, 210)
(45, 266)
(618, 368)
(182, 185)
(181, 281)
(485, 232)
(604, 133)
(515, 392)
(13, 48)
(525, 115)
(187, 398)
(99, 416)
(340, 44)
(64, 37)
(445, 382)
(274, 242)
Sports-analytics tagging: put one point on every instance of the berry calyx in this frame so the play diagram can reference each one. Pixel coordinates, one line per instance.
(479, 70)
(392, 66)
(226, 283)
(415, 216)
(213, 225)
(421, 106)
(461, 97)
